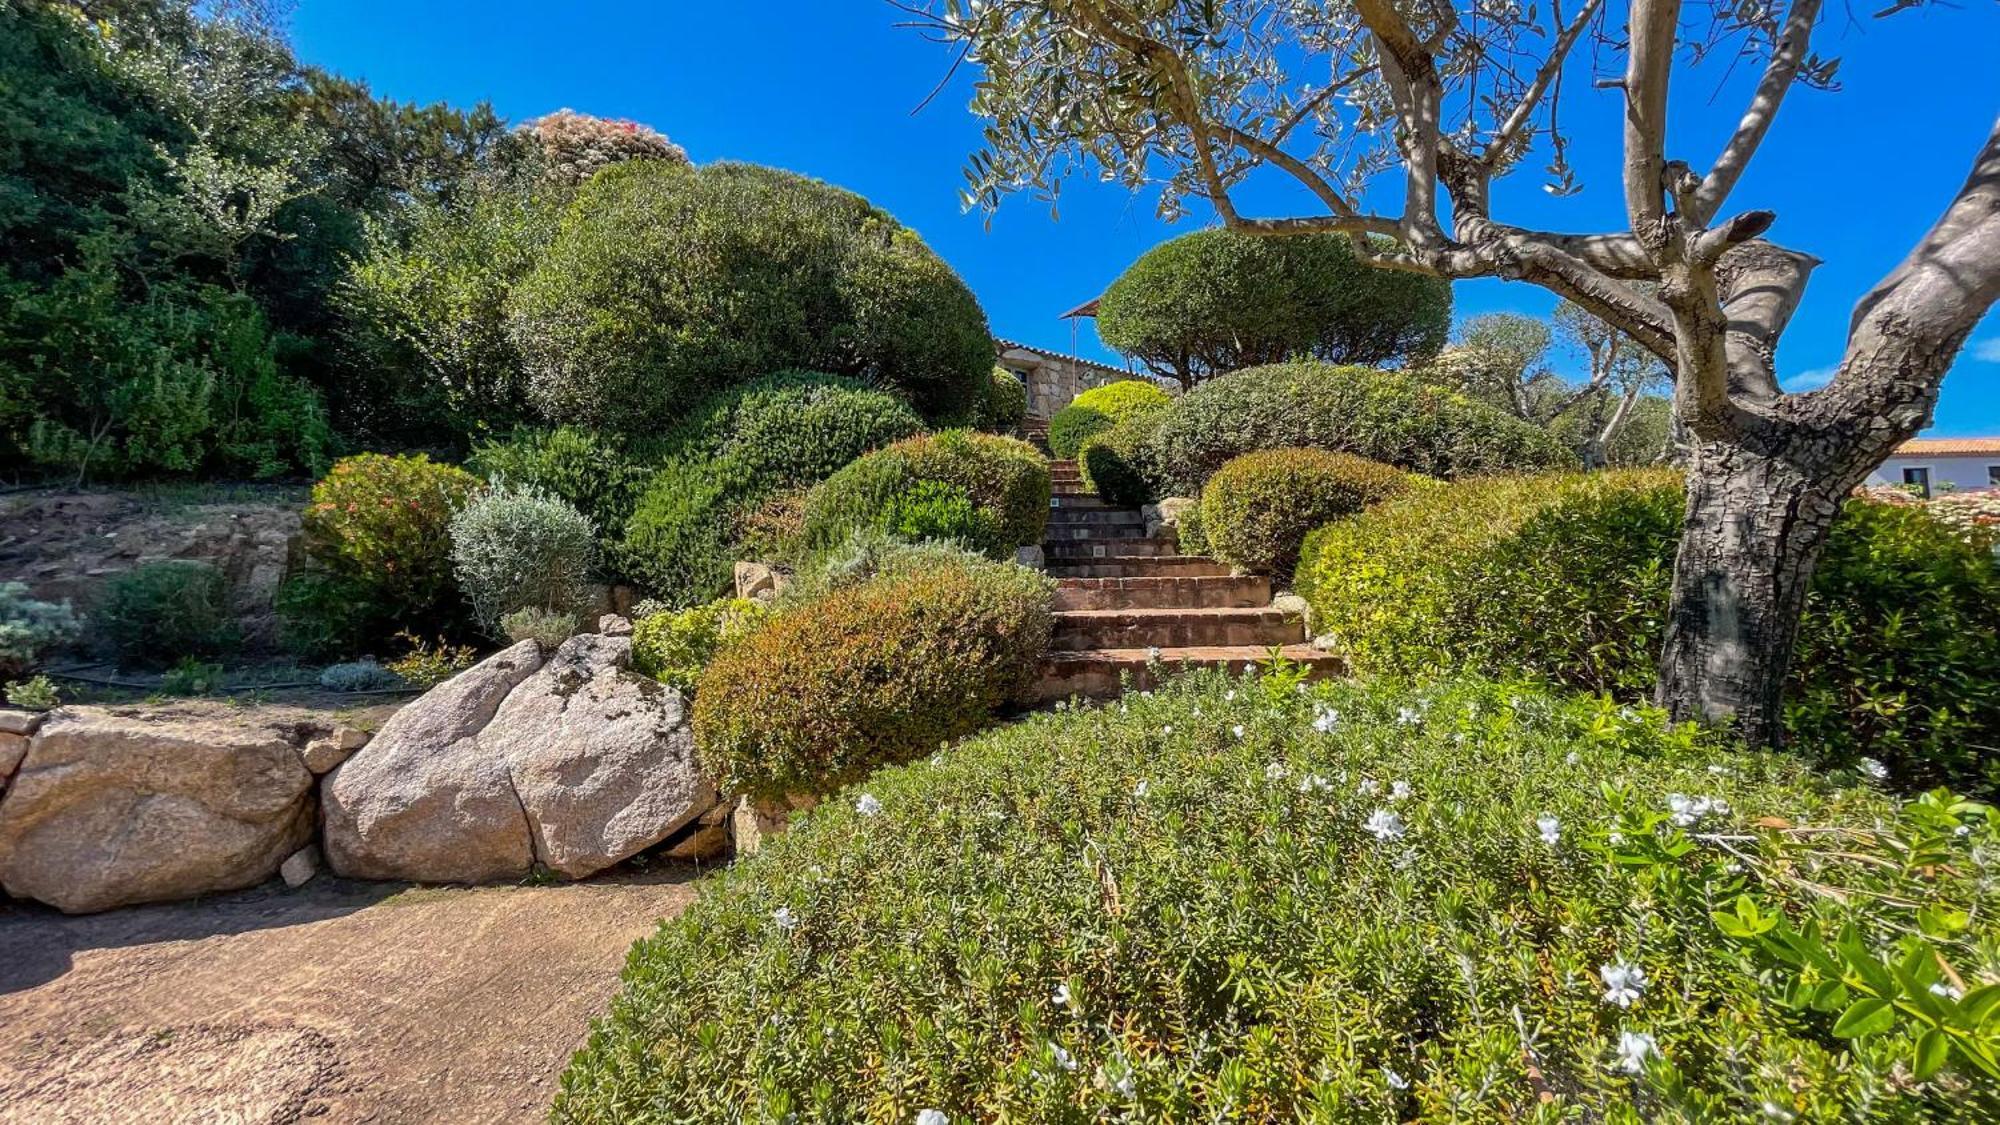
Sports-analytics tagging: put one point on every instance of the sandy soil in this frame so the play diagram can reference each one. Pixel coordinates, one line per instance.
(341, 1001)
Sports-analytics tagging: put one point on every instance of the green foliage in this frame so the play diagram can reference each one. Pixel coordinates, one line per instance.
(1235, 900)
(1115, 464)
(873, 674)
(190, 676)
(795, 428)
(377, 539)
(425, 665)
(359, 675)
(599, 475)
(36, 693)
(937, 510)
(30, 628)
(514, 548)
(1569, 578)
(680, 542)
(1380, 415)
(673, 647)
(1258, 508)
(164, 612)
(1214, 301)
(664, 284)
(548, 628)
(1191, 533)
(1100, 408)
(1006, 405)
(1005, 479)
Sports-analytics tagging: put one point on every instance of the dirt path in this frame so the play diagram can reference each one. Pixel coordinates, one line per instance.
(342, 1001)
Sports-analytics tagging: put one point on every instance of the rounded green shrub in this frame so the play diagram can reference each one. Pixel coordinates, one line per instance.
(1568, 577)
(1258, 508)
(1115, 464)
(161, 613)
(1006, 406)
(599, 474)
(1380, 415)
(680, 543)
(1233, 901)
(871, 675)
(1100, 408)
(1005, 478)
(795, 428)
(675, 646)
(665, 283)
(515, 548)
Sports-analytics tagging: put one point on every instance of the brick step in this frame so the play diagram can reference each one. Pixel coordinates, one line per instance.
(1079, 629)
(1196, 592)
(1081, 502)
(1136, 566)
(1096, 517)
(1061, 552)
(1074, 533)
(1095, 674)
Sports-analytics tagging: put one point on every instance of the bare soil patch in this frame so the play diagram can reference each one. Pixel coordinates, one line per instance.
(341, 1001)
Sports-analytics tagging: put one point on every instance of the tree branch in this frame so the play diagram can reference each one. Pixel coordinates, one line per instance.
(1649, 64)
(1524, 110)
(1783, 69)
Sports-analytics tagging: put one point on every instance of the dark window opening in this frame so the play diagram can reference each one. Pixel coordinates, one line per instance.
(1921, 478)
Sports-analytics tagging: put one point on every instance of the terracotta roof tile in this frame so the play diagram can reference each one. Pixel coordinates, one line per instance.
(1948, 447)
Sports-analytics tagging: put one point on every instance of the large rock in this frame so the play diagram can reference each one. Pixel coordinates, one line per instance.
(602, 758)
(424, 800)
(123, 805)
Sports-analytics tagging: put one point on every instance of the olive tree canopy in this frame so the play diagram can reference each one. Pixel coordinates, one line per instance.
(1194, 97)
(1215, 301)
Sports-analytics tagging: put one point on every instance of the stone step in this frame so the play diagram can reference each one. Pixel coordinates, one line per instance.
(1068, 552)
(1080, 629)
(1098, 673)
(1080, 502)
(1096, 517)
(1074, 533)
(1136, 566)
(1194, 592)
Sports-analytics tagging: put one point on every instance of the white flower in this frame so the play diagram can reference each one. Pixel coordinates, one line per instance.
(784, 919)
(1622, 983)
(1229, 696)
(1368, 787)
(1398, 790)
(1153, 655)
(1063, 1058)
(1634, 1048)
(1690, 811)
(1409, 716)
(1061, 995)
(1572, 758)
(1873, 770)
(1395, 1081)
(932, 1117)
(1314, 783)
(1776, 1112)
(1962, 831)
(1124, 1085)
(1197, 712)
(1237, 730)
(1949, 992)
(868, 805)
(1274, 771)
(1550, 828)
(1141, 789)
(1718, 769)
(1325, 719)
(1385, 825)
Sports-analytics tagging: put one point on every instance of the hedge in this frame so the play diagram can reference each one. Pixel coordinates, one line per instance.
(794, 428)
(868, 676)
(1569, 576)
(1233, 901)
(1258, 508)
(1005, 478)
(1380, 415)
(1100, 408)
(1116, 463)
(1006, 405)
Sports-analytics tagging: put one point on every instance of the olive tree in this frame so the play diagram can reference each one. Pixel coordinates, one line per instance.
(1197, 96)
(1216, 301)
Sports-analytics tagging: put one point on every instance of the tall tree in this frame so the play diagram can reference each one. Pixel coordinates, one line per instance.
(1620, 374)
(1196, 95)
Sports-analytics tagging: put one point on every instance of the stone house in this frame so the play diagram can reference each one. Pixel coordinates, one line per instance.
(1054, 379)
(1933, 465)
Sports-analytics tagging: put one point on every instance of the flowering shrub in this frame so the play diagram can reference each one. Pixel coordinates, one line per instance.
(1006, 480)
(871, 675)
(1568, 577)
(1234, 899)
(515, 548)
(377, 539)
(674, 646)
(574, 146)
(1258, 508)
(1976, 515)
(1100, 408)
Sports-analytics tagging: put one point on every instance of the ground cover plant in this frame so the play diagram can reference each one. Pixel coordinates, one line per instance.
(1234, 899)
(1567, 577)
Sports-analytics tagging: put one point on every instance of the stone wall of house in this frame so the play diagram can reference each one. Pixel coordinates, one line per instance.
(1053, 380)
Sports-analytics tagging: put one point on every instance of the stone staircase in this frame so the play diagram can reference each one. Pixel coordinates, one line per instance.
(1121, 593)
(1035, 431)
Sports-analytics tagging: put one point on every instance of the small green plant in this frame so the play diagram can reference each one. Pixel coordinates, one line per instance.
(359, 675)
(548, 628)
(426, 665)
(36, 693)
(191, 676)
(166, 612)
(514, 548)
(936, 510)
(673, 647)
(30, 628)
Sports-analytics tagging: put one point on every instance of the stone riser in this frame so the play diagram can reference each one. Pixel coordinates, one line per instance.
(1096, 675)
(1087, 502)
(1110, 549)
(1061, 533)
(1077, 630)
(1095, 517)
(1162, 566)
(1228, 592)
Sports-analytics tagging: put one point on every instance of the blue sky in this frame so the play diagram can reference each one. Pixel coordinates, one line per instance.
(827, 88)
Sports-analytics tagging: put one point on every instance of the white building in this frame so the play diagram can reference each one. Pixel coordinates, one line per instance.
(1934, 465)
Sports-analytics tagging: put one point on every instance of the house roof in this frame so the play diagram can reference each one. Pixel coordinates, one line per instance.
(1056, 353)
(1088, 308)
(1948, 447)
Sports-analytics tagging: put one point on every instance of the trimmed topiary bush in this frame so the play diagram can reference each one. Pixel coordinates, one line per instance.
(1569, 577)
(1115, 463)
(1100, 408)
(1380, 415)
(1006, 406)
(871, 675)
(937, 510)
(1258, 508)
(675, 646)
(162, 613)
(680, 541)
(667, 283)
(1006, 479)
(1230, 900)
(795, 428)
(514, 548)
